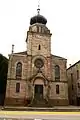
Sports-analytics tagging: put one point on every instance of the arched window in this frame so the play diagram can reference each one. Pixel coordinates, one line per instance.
(39, 47)
(57, 72)
(18, 70)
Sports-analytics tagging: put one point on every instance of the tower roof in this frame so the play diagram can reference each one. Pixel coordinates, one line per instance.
(38, 18)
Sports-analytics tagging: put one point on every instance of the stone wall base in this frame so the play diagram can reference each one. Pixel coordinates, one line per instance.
(25, 102)
(59, 102)
(16, 102)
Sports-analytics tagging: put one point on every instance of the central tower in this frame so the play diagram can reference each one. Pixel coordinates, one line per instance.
(38, 36)
(39, 55)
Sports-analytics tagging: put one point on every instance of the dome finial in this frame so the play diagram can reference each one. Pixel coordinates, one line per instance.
(38, 18)
(38, 10)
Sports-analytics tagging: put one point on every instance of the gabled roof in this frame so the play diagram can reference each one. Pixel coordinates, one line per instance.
(74, 64)
(22, 53)
(25, 53)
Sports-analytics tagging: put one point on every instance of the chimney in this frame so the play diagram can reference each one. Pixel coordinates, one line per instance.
(12, 48)
(69, 65)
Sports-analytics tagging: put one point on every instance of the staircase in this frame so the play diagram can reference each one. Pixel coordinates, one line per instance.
(41, 102)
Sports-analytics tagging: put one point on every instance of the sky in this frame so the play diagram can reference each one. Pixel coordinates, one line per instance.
(63, 20)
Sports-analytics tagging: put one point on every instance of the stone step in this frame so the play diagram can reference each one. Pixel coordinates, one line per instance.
(39, 103)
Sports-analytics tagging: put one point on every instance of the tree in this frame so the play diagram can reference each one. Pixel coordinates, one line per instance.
(3, 76)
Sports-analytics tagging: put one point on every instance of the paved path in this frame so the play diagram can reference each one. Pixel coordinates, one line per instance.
(54, 109)
(40, 115)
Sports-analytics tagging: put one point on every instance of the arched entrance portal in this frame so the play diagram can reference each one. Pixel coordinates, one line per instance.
(40, 92)
(39, 88)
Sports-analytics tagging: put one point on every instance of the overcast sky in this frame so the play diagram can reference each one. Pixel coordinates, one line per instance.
(63, 18)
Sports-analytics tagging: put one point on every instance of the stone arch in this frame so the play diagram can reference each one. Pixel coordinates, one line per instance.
(38, 56)
(39, 87)
(40, 80)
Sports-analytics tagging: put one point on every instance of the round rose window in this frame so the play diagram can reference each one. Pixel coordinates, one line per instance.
(39, 63)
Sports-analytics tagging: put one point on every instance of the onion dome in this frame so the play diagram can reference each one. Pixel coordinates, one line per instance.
(38, 19)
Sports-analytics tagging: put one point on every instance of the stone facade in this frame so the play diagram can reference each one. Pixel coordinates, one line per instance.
(37, 78)
(73, 76)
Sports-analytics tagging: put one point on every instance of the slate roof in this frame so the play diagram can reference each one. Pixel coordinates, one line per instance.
(22, 53)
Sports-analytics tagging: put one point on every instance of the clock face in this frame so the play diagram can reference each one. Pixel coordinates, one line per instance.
(39, 63)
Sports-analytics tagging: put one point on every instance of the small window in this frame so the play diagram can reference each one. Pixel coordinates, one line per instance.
(18, 70)
(39, 47)
(41, 29)
(72, 77)
(79, 85)
(57, 89)
(77, 74)
(37, 28)
(72, 87)
(57, 72)
(17, 87)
